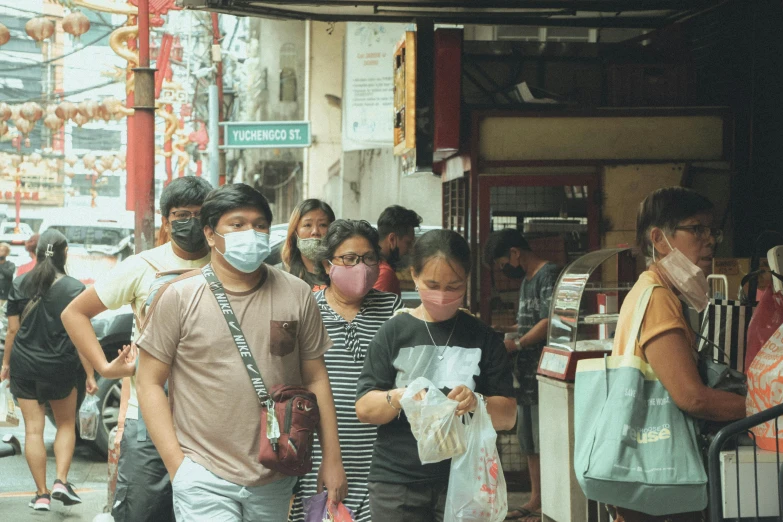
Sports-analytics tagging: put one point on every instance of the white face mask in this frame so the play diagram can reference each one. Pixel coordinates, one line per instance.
(245, 250)
(688, 278)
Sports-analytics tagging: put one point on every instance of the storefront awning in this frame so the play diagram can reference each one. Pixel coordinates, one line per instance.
(572, 13)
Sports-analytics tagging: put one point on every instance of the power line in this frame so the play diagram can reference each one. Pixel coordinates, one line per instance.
(57, 58)
(47, 97)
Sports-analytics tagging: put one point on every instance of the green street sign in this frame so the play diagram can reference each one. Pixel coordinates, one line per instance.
(266, 134)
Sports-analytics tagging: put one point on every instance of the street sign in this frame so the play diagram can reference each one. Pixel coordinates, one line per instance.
(266, 134)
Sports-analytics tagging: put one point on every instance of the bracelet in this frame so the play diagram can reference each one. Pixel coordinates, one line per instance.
(389, 400)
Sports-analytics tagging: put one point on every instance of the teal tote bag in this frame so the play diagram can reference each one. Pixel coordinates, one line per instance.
(634, 448)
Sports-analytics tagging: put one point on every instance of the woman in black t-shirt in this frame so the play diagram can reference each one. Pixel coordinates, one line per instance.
(43, 364)
(458, 353)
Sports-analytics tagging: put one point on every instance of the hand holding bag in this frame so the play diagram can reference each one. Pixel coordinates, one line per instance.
(318, 509)
(439, 433)
(477, 487)
(289, 414)
(8, 416)
(633, 447)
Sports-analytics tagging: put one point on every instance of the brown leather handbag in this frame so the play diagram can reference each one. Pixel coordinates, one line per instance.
(289, 414)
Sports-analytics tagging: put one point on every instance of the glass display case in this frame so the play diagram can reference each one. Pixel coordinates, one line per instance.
(585, 306)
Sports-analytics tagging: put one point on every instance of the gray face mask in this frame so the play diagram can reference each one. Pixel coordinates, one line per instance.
(308, 247)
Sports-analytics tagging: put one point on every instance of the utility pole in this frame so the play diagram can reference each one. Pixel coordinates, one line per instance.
(144, 116)
(216, 175)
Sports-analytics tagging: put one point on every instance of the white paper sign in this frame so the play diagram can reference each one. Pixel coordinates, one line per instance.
(368, 99)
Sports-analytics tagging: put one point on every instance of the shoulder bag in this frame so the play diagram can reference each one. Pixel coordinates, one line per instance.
(633, 447)
(289, 414)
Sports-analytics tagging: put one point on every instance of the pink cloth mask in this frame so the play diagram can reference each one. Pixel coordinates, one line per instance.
(354, 281)
(441, 305)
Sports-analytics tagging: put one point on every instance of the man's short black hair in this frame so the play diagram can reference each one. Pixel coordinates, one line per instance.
(501, 242)
(397, 219)
(230, 197)
(183, 192)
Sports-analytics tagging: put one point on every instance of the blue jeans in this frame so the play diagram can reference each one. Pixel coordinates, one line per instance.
(199, 494)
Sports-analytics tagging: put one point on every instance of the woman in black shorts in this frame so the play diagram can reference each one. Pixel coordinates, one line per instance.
(43, 364)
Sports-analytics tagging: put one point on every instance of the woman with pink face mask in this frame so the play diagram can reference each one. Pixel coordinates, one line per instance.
(675, 233)
(352, 312)
(461, 355)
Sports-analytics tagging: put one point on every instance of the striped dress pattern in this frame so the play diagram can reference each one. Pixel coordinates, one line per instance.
(344, 361)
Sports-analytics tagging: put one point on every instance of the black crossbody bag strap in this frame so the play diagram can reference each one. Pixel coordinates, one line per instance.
(236, 333)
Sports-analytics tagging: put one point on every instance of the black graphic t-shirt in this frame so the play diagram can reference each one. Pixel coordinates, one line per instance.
(403, 351)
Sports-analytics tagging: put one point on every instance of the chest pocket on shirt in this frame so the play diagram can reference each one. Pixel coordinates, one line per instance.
(282, 337)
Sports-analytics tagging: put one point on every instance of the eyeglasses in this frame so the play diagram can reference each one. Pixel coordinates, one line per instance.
(354, 259)
(703, 232)
(184, 215)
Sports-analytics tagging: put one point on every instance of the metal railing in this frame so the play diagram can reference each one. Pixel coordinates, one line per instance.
(731, 433)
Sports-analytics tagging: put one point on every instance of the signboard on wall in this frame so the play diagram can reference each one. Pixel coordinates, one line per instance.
(368, 99)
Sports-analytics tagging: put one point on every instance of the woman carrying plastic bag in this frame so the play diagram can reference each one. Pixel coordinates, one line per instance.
(460, 356)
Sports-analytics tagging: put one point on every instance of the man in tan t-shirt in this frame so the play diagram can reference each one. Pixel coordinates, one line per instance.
(209, 437)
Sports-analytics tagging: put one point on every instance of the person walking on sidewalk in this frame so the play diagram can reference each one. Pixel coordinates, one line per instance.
(143, 488)
(397, 228)
(209, 429)
(508, 250)
(43, 365)
(352, 312)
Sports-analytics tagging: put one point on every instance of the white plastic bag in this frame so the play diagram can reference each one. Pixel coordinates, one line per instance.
(438, 431)
(89, 415)
(477, 488)
(8, 416)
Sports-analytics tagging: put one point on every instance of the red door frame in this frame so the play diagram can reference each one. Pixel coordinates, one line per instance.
(485, 185)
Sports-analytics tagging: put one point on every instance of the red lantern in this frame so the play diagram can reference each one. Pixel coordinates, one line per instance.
(5, 35)
(24, 126)
(71, 159)
(52, 122)
(80, 119)
(39, 29)
(107, 161)
(76, 24)
(31, 111)
(88, 109)
(5, 111)
(66, 110)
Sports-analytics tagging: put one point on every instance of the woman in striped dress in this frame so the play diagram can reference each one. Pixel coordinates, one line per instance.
(352, 313)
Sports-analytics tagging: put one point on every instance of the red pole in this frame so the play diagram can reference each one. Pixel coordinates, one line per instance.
(130, 156)
(145, 136)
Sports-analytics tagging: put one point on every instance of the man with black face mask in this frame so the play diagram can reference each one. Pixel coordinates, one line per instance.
(508, 250)
(397, 230)
(143, 487)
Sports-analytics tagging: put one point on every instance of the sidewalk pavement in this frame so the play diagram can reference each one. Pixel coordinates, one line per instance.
(88, 474)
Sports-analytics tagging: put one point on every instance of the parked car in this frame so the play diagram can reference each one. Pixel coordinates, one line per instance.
(16, 238)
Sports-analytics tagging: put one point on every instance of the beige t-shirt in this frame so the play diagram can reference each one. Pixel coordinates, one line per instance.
(214, 406)
(129, 283)
(664, 313)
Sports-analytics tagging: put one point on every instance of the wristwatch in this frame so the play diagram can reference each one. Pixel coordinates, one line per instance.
(518, 343)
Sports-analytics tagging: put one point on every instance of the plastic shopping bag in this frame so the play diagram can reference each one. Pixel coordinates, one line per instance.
(8, 416)
(439, 432)
(765, 390)
(89, 415)
(318, 509)
(767, 317)
(477, 488)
